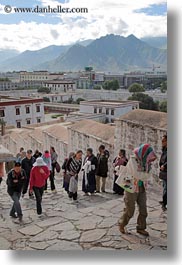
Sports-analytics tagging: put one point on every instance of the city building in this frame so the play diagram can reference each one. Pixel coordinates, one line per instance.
(57, 86)
(21, 111)
(111, 109)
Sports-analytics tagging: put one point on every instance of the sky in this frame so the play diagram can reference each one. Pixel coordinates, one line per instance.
(33, 31)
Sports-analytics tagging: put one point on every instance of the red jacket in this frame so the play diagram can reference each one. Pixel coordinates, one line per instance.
(38, 179)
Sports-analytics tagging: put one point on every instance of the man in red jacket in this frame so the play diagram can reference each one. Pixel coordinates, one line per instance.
(38, 177)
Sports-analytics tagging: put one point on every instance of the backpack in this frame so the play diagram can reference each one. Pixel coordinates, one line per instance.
(107, 154)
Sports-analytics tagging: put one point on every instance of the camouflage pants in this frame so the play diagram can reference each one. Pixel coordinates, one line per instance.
(130, 200)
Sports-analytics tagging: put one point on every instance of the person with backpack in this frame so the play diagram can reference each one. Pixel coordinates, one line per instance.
(120, 160)
(89, 169)
(64, 168)
(16, 180)
(102, 168)
(27, 164)
(144, 156)
(38, 177)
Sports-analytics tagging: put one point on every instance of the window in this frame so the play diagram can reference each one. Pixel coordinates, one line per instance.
(28, 121)
(2, 114)
(38, 120)
(107, 111)
(37, 108)
(18, 113)
(100, 110)
(27, 109)
(95, 110)
(18, 124)
(112, 112)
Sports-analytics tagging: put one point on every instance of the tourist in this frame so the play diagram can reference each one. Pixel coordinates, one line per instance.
(102, 169)
(73, 168)
(27, 164)
(89, 170)
(64, 168)
(120, 160)
(54, 158)
(16, 179)
(20, 155)
(47, 159)
(37, 154)
(38, 177)
(163, 172)
(144, 155)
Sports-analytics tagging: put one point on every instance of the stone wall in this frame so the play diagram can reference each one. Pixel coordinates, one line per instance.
(83, 141)
(129, 135)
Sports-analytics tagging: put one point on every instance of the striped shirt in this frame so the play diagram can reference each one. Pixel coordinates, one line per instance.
(74, 165)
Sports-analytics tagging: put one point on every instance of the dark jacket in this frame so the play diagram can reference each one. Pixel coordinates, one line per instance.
(27, 165)
(163, 159)
(102, 166)
(15, 186)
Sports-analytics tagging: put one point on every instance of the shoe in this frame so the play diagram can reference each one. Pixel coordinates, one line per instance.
(121, 229)
(103, 191)
(20, 218)
(23, 195)
(45, 191)
(31, 196)
(161, 202)
(164, 208)
(143, 232)
(54, 191)
(13, 216)
(97, 191)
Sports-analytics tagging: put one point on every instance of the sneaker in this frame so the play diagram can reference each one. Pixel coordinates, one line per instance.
(54, 191)
(45, 191)
(142, 232)
(161, 202)
(97, 191)
(121, 229)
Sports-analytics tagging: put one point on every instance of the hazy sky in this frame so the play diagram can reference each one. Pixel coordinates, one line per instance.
(31, 31)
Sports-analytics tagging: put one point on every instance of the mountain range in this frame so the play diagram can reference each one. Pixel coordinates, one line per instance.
(109, 53)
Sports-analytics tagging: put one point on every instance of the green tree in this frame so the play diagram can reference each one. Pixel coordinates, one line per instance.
(97, 87)
(145, 101)
(163, 106)
(46, 99)
(78, 100)
(135, 87)
(43, 90)
(111, 85)
(164, 86)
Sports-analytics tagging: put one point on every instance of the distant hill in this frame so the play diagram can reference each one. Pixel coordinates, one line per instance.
(6, 54)
(27, 60)
(109, 53)
(158, 42)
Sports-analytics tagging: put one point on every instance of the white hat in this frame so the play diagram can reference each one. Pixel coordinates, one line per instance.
(39, 162)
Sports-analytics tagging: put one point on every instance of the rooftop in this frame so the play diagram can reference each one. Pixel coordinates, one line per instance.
(114, 103)
(93, 128)
(146, 117)
(7, 100)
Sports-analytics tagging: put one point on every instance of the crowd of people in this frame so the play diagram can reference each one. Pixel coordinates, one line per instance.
(30, 173)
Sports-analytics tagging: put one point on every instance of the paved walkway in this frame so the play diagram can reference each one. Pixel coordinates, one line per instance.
(89, 224)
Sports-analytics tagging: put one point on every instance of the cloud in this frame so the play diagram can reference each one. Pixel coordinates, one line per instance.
(104, 17)
(54, 33)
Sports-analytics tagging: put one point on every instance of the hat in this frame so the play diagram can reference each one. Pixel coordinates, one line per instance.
(39, 162)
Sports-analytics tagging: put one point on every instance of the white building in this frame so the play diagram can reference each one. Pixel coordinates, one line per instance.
(21, 111)
(57, 86)
(111, 109)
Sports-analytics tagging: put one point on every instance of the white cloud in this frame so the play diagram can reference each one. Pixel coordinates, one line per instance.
(104, 17)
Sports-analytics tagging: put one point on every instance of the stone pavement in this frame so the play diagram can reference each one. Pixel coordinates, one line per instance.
(90, 224)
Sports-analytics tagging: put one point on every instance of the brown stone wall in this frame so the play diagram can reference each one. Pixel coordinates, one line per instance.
(129, 135)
